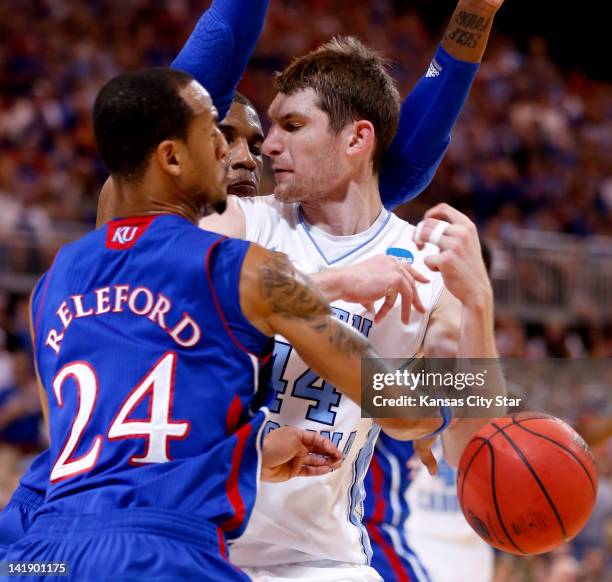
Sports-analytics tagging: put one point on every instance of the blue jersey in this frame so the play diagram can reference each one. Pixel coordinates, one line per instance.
(151, 373)
(386, 511)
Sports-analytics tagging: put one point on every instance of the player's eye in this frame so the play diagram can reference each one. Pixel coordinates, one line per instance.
(256, 149)
(292, 127)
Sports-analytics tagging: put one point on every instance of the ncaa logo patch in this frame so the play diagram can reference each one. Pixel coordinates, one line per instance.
(403, 255)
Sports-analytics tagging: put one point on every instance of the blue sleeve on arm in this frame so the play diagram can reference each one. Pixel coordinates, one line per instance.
(427, 118)
(220, 46)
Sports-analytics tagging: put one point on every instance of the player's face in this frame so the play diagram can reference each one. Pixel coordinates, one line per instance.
(307, 158)
(242, 130)
(203, 171)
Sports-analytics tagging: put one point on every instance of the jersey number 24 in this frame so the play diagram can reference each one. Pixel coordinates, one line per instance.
(157, 429)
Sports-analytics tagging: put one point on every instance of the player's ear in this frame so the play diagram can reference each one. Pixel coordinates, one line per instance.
(169, 157)
(361, 137)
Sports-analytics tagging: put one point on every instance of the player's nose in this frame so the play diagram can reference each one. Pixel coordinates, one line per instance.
(221, 145)
(272, 145)
(241, 156)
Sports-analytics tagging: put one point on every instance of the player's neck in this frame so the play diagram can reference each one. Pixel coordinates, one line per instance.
(348, 212)
(146, 197)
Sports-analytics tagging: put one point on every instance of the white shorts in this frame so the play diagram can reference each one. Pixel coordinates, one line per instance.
(312, 573)
(448, 561)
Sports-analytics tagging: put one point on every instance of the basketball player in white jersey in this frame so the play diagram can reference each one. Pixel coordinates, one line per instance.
(436, 527)
(335, 114)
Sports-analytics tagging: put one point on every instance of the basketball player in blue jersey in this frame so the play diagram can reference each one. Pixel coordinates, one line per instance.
(218, 51)
(149, 335)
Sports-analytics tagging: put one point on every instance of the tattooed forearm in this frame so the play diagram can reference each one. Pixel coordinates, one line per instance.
(349, 341)
(468, 31)
(472, 21)
(468, 28)
(288, 292)
(292, 294)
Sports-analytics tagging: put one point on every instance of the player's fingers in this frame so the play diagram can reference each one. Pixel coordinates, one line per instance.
(369, 307)
(427, 457)
(320, 445)
(437, 232)
(406, 293)
(416, 299)
(390, 299)
(446, 212)
(317, 460)
(416, 275)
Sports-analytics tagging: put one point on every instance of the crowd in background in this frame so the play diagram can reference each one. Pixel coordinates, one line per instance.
(531, 151)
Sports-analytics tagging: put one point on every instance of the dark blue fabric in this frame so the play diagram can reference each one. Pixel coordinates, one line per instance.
(212, 381)
(220, 46)
(132, 544)
(427, 118)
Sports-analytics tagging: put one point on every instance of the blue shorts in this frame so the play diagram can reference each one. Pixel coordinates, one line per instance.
(129, 544)
(16, 517)
(392, 558)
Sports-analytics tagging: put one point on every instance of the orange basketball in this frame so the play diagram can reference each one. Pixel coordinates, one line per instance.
(527, 483)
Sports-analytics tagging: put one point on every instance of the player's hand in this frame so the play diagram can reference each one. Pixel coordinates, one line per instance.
(422, 451)
(494, 5)
(460, 259)
(293, 452)
(382, 277)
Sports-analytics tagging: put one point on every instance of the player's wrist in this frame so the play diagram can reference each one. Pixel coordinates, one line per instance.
(331, 283)
(479, 302)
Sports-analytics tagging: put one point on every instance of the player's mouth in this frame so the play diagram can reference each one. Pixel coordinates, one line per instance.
(280, 174)
(243, 188)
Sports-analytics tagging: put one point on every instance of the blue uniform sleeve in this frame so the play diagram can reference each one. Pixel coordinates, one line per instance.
(427, 118)
(220, 46)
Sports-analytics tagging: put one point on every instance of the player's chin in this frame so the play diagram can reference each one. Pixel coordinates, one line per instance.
(219, 201)
(284, 193)
(243, 190)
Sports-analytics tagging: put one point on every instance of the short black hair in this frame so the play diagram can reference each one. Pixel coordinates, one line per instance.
(243, 100)
(134, 112)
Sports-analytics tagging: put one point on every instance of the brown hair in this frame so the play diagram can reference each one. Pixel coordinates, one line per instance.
(352, 83)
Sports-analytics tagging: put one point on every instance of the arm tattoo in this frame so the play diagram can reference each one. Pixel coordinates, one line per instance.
(288, 292)
(468, 28)
(292, 295)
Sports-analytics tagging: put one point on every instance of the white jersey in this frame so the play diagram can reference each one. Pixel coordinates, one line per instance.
(436, 526)
(318, 519)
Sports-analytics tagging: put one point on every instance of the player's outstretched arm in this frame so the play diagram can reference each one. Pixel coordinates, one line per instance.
(462, 324)
(290, 452)
(220, 46)
(431, 109)
(278, 299)
(468, 32)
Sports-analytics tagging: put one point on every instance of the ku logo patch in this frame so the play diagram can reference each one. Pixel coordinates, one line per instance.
(403, 255)
(123, 234)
